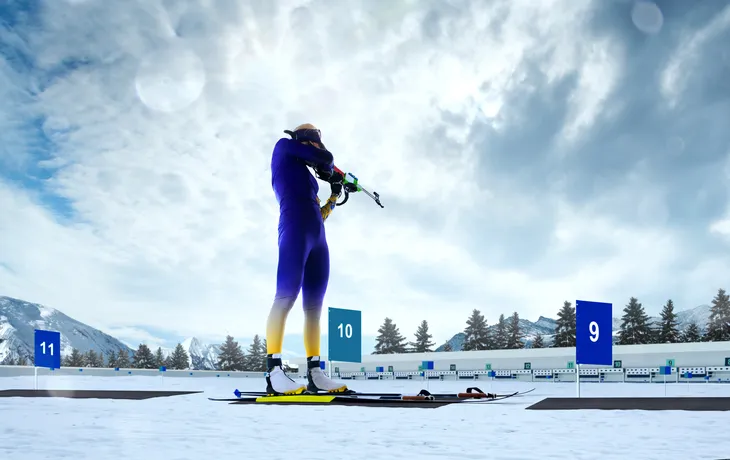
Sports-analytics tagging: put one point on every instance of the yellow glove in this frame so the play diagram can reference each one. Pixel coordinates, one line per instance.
(328, 207)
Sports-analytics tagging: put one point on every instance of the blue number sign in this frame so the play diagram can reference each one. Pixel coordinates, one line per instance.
(345, 335)
(593, 341)
(47, 349)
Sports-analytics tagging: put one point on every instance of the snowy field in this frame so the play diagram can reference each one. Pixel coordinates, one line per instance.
(191, 427)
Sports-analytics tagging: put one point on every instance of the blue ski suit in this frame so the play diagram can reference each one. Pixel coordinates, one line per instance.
(303, 252)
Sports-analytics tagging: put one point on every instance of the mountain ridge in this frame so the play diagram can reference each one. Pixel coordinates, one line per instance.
(19, 319)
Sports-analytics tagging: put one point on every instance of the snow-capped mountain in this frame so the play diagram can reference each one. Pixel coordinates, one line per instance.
(205, 355)
(546, 326)
(19, 319)
(201, 355)
(698, 315)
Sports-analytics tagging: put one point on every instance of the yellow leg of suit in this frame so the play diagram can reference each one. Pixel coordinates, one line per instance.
(276, 325)
(312, 331)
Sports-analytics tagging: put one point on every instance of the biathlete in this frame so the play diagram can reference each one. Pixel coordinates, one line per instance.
(304, 262)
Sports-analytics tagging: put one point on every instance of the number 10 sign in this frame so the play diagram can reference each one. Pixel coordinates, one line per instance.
(345, 335)
(593, 325)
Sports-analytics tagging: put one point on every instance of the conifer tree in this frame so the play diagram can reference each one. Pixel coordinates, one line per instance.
(565, 327)
(514, 338)
(423, 342)
(75, 359)
(538, 342)
(655, 331)
(635, 328)
(501, 336)
(255, 360)
(159, 358)
(93, 359)
(718, 325)
(123, 361)
(179, 358)
(476, 334)
(389, 339)
(669, 324)
(231, 356)
(691, 334)
(89, 358)
(111, 359)
(168, 363)
(143, 358)
(447, 346)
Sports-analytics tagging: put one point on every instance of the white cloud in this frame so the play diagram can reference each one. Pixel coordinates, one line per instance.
(176, 221)
(680, 66)
(132, 337)
(598, 75)
(721, 226)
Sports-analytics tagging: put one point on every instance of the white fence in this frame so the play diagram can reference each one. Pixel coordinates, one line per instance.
(700, 354)
(714, 374)
(17, 371)
(709, 374)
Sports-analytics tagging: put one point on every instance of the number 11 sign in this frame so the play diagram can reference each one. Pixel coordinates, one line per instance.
(47, 349)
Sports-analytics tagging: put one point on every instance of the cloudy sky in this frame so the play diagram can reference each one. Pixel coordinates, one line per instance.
(526, 152)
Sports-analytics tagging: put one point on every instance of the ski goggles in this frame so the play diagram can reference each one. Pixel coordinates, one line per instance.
(313, 135)
(303, 135)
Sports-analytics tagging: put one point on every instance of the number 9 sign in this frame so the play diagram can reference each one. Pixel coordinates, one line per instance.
(594, 330)
(591, 346)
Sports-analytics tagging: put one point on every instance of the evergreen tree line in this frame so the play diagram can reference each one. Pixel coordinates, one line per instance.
(230, 358)
(506, 335)
(636, 328)
(142, 358)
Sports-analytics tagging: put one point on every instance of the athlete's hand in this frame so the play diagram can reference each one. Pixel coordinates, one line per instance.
(314, 144)
(336, 177)
(324, 174)
(336, 188)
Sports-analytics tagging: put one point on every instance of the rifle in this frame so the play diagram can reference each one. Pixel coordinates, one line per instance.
(350, 184)
(312, 134)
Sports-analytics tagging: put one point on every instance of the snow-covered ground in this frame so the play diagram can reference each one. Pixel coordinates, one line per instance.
(191, 427)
